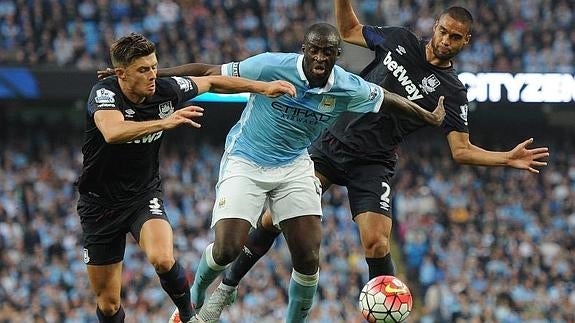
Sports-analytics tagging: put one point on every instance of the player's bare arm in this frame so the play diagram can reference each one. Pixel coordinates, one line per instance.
(347, 23)
(116, 130)
(191, 69)
(520, 157)
(230, 84)
(396, 101)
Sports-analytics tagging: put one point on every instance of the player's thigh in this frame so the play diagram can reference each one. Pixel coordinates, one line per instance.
(106, 282)
(150, 226)
(103, 233)
(298, 194)
(369, 189)
(327, 170)
(241, 191)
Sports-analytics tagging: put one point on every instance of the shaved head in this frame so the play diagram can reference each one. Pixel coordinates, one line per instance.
(324, 34)
(460, 14)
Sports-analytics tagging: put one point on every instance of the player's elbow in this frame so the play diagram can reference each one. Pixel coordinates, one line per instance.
(352, 33)
(111, 138)
(460, 156)
(346, 35)
(349, 32)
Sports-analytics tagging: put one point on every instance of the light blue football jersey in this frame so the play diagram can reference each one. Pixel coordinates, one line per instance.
(275, 131)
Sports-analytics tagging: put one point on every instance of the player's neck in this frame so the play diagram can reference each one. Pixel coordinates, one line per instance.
(128, 93)
(434, 60)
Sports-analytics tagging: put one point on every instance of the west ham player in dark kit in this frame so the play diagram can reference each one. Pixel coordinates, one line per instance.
(360, 151)
(120, 187)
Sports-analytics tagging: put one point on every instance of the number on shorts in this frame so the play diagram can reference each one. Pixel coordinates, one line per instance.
(155, 207)
(384, 203)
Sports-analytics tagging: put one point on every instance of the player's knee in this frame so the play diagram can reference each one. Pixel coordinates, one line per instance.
(226, 253)
(108, 305)
(162, 262)
(376, 245)
(306, 262)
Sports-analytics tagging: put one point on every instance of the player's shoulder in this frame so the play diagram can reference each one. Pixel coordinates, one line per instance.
(453, 80)
(110, 83)
(277, 58)
(168, 88)
(106, 90)
(452, 86)
(345, 77)
(349, 82)
(395, 31)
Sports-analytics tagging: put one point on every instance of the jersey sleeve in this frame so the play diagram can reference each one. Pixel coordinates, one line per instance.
(456, 109)
(103, 97)
(368, 97)
(184, 87)
(250, 68)
(377, 35)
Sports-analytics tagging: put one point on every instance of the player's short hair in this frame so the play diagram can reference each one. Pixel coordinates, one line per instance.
(323, 29)
(129, 48)
(460, 14)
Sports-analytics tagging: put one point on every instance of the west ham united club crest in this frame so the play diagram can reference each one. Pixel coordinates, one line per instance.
(166, 109)
(429, 83)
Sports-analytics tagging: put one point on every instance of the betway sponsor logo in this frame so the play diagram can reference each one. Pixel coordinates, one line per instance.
(147, 138)
(400, 74)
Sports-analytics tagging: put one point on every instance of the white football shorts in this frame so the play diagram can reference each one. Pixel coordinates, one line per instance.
(243, 188)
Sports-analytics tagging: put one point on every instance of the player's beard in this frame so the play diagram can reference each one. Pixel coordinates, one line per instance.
(444, 55)
(149, 90)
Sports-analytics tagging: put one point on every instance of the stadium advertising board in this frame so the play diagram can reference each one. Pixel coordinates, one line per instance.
(521, 87)
(26, 84)
(487, 88)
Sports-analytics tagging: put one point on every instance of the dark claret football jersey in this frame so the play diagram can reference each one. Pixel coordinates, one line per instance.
(119, 173)
(399, 66)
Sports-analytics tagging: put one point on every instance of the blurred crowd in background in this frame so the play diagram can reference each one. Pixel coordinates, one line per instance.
(509, 35)
(474, 244)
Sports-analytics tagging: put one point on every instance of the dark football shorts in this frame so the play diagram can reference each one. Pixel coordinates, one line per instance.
(104, 230)
(368, 183)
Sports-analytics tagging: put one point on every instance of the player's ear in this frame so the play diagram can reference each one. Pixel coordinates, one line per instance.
(303, 48)
(120, 73)
(467, 39)
(339, 51)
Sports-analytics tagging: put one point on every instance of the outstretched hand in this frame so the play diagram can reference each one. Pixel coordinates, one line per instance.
(102, 74)
(438, 113)
(523, 158)
(276, 88)
(184, 116)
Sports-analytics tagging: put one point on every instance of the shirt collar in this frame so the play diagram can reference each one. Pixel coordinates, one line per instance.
(330, 81)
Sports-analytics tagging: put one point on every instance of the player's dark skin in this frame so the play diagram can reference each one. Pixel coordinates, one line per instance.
(320, 51)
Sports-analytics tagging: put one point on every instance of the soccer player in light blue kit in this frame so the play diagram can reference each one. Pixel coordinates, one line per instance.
(266, 160)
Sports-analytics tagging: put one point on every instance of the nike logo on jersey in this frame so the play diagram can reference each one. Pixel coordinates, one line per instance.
(400, 74)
